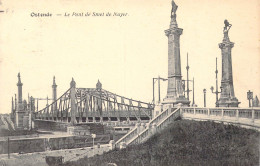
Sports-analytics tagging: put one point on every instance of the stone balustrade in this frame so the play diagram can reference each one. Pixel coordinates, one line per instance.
(242, 116)
(142, 131)
(133, 134)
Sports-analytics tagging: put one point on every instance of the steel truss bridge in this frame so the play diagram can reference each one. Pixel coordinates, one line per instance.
(83, 105)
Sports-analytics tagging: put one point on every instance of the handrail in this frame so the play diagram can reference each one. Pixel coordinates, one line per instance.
(10, 122)
(242, 116)
(158, 117)
(225, 108)
(3, 120)
(159, 123)
(125, 136)
(172, 113)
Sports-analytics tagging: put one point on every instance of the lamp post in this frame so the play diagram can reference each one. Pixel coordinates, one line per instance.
(93, 136)
(204, 91)
(250, 97)
(193, 93)
(188, 87)
(187, 80)
(159, 86)
(212, 88)
(188, 90)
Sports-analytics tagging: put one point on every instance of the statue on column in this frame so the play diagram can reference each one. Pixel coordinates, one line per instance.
(226, 29)
(173, 15)
(174, 9)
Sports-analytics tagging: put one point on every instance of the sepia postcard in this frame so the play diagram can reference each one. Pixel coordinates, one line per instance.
(128, 82)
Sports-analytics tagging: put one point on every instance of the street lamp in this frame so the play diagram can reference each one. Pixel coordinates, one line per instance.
(250, 97)
(188, 90)
(204, 91)
(212, 88)
(193, 93)
(187, 80)
(93, 136)
(159, 91)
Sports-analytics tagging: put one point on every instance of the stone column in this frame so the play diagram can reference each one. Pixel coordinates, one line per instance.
(122, 145)
(20, 89)
(111, 144)
(20, 106)
(54, 97)
(227, 97)
(73, 102)
(175, 92)
(54, 90)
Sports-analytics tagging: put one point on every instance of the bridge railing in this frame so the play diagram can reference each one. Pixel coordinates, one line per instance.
(130, 135)
(152, 128)
(10, 122)
(142, 132)
(3, 120)
(245, 116)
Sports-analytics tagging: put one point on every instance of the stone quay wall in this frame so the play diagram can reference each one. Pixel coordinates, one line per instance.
(31, 145)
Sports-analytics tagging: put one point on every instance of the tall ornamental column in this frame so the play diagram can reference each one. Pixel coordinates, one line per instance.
(227, 96)
(20, 89)
(73, 110)
(54, 90)
(54, 95)
(20, 110)
(175, 92)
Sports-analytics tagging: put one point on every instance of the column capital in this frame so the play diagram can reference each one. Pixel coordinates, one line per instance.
(175, 31)
(54, 85)
(226, 44)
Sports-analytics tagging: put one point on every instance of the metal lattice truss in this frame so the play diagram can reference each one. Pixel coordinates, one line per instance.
(91, 104)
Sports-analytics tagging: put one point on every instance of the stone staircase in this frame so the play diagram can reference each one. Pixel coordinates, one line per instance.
(142, 132)
(4, 122)
(10, 123)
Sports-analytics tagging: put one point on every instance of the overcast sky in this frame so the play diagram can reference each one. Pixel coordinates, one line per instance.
(124, 53)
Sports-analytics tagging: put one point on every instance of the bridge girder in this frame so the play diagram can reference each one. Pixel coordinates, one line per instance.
(93, 105)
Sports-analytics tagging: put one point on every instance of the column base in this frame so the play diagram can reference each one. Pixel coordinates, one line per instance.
(228, 102)
(174, 101)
